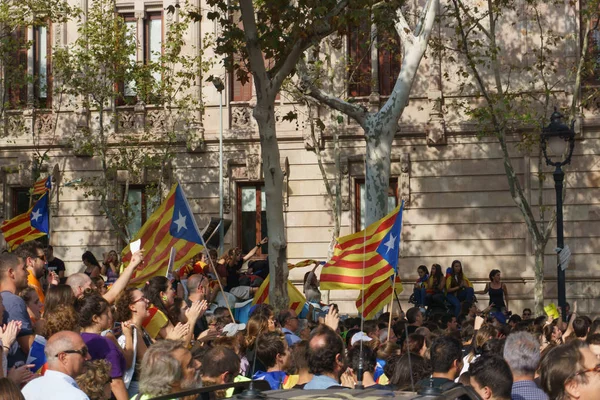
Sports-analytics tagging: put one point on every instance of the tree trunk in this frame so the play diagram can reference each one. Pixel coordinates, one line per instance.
(377, 173)
(273, 176)
(538, 289)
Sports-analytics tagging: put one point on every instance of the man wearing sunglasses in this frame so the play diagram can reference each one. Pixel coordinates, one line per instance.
(66, 354)
(33, 255)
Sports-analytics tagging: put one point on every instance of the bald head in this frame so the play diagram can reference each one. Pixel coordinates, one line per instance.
(62, 341)
(79, 282)
(66, 352)
(193, 282)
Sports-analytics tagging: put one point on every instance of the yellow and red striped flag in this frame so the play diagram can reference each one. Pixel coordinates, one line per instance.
(366, 257)
(377, 296)
(27, 226)
(42, 186)
(297, 299)
(171, 225)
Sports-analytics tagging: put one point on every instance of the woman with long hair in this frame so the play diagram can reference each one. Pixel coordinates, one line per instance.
(92, 266)
(131, 309)
(311, 286)
(485, 333)
(551, 336)
(110, 267)
(497, 291)
(458, 287)
(95, 316)
(435, 286)
(420, 288)
(161, 296)
(34, 308)
(58, 295)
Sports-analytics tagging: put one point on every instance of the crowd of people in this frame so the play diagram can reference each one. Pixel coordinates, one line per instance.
(103, 339)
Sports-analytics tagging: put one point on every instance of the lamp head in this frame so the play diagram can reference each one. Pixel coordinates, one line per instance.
(560, 138)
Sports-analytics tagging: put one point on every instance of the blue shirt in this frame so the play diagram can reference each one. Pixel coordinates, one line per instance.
(321, 382)
(276, 379)
(15, 309)
(527, 390)
(290, 337)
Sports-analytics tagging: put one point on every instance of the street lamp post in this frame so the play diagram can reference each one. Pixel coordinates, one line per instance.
(556, 136)
(220, 86)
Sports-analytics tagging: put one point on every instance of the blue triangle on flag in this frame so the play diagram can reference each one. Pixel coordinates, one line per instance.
(39, 214)
(183, 225)
(389, 248)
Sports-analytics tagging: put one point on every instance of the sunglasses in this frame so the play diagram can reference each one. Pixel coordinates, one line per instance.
(83, 352)
(42, 257)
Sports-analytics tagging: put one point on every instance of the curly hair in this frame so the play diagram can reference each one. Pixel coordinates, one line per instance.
(122, 311)
(90, 305)
(96, 376)
(58, 295)
(62, 318)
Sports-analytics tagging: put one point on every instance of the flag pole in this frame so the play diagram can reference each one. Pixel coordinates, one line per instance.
(389, 332)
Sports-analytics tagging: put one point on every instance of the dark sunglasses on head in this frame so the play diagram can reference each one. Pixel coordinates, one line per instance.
(83, 352)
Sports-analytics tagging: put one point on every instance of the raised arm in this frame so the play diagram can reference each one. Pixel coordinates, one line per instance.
(486, 290)
(121, 283)
(255, 249)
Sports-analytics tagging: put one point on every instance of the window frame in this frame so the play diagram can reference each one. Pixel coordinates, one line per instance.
(393, 186)
(262, 252)
(17, 95)
(122, 99)
(15, 192)
(39, 101)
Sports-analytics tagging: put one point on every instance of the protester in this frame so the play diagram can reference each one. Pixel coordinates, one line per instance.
(131, 309)
(96, 380)
(92, 266)
(435, 286)
(13, 279)
(570, 371)
(522, 353)
(168, 367)
(272, 349)
(220, 365)
(34, 308)
(198, 291)
(458, 287)
(110, 267)
(66, 354)
(326, 358)
(33, 255)
(491, 378)
(311, 286)
(288, 320)
(161, 295)
(421, 285)
(446, 360)
(95, 317)
(299, 364)
(55, 264)
(400, 368)
(497, 291)
(526, 314)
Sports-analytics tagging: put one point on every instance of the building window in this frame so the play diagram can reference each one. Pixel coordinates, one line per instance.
(389, 60)
(153, 36)
(20, 200)
(15, 74)
(252, 217)
(42, 65)
(140, 205)
(360, 201)
(127, 90)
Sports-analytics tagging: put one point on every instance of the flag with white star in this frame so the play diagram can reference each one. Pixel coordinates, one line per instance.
(27, 226)
(389, 248)
(171, 228)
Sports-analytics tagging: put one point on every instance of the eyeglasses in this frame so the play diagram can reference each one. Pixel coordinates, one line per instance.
(42, 257)
(140, 299)
(83, 352)
(585, 371)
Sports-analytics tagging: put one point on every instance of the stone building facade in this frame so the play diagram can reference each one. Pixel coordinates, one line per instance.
(452, 181)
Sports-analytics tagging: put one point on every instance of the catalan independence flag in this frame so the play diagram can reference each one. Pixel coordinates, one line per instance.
(366, 257)
(171, 225)
(377, 296)
(42, 186)
(27, 226)
(297, 299)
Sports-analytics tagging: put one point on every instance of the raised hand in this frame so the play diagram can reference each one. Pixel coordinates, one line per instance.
(9, 333)
(179, 332)
(196, 310)
(332, 319)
